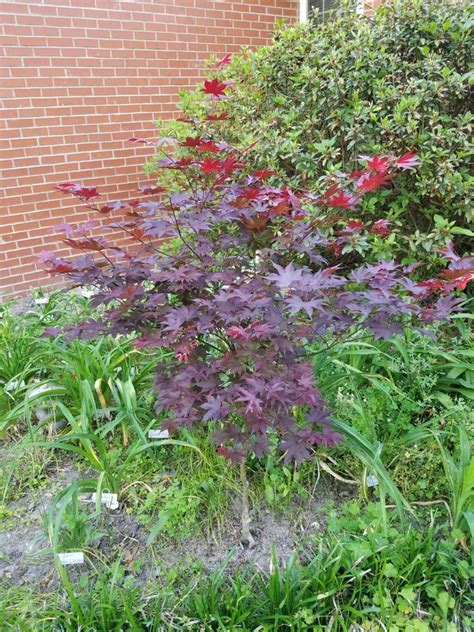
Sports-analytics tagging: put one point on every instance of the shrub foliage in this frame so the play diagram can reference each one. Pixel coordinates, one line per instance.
(323, 93)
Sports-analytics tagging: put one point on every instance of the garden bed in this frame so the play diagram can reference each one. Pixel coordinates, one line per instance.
(255, 411)
(194, 495)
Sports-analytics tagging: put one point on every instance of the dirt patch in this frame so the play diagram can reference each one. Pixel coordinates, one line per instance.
(278, 533)
(26, 557)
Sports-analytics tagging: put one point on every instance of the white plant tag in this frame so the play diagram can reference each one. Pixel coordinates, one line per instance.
(372, 481)
(109, 500)
(75, 557)
(158, 434)
(86, 293)
(15, 384)
(43, 388)
(41, 301)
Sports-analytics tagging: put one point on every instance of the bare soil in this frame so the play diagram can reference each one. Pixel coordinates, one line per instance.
(26, 557)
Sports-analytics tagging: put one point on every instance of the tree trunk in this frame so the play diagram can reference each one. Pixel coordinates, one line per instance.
(247, 537)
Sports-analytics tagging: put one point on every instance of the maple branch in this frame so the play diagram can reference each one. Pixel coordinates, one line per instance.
(247, 537)
(188, 246)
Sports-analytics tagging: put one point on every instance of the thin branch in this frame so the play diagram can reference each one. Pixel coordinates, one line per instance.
(188, 246)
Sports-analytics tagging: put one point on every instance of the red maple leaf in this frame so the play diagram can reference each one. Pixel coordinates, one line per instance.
(433, 284)
(78, 190)
(282, 208)
(86, 193)
(61, 268)
(458, 279)
(341, 200)
(372, 182)
(231, 164)
(238, 333)
(408, 161)
(355, 224)
(182, 162)
(210, 166)
(215, 87)
(66, 187)
(461, 282)
(138, 233)
(380, 227)
(113, 206)
(189, 141)
(232, 454)
(150, 190)
(127, 292)
(380, 164)
(263, 174)
(88, 243)
(253, 193)
(208, 145)
(256, 223)
(456, 274)
(225, 61)
(217, 117)
(355, 175)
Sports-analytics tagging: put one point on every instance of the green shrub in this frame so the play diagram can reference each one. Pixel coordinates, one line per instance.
(324, 93)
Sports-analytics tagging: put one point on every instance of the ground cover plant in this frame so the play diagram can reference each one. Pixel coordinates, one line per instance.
(310, 460)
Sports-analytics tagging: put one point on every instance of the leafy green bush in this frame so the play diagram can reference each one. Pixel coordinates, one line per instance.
(325, 92)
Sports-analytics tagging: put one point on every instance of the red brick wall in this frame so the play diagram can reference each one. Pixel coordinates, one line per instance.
(80, 77)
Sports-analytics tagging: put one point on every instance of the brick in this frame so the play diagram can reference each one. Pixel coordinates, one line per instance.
(82, 78)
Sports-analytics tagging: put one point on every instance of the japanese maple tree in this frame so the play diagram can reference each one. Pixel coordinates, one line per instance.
(232, 275)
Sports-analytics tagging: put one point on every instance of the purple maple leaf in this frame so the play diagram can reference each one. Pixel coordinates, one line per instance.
(297, 304)
(286, 277)
(216, 408)
(297, 446)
